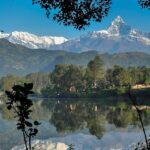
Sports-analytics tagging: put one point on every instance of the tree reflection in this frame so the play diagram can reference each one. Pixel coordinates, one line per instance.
(69, 117)
(96, 129)
(121, 116)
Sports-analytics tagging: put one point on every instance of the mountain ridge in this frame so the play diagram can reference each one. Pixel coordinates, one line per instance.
(32, 41)
(19, 60)
(119, 37)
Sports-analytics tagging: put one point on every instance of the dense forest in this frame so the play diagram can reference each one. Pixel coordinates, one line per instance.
(68, 80)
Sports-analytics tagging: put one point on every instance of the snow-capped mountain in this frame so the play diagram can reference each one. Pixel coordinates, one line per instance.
(119, 37)
(3, 35)
(32, 41)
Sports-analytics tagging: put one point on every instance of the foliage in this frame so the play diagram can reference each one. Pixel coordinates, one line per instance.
(71, 147)
(67, 78)
(74, 81)
(19, 102)
(8, 81)
(39, 80)
(79, 13)
(94, 72)
(145, 3)
(94, 80)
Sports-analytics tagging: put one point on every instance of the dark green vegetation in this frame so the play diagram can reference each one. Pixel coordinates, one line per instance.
(19, 102)
(40, 80)
(19, 60)
(94, 80)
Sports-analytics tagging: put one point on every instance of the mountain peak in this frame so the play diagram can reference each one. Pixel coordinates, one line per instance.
(119, 27)
(117, 20)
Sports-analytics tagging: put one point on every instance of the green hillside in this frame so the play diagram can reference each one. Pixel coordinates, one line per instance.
(19, 60)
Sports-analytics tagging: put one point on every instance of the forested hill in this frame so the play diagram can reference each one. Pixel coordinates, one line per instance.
(19, 60)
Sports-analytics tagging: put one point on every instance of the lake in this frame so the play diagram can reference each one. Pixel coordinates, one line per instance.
(89, 124)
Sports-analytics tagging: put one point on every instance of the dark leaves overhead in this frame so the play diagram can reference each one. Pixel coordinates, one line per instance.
(78, 13)
(145, 3)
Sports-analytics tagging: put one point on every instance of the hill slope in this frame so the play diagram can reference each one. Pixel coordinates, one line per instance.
(19, 60)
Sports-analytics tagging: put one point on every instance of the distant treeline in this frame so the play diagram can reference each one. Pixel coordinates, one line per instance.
(72, 80)
(40, 80)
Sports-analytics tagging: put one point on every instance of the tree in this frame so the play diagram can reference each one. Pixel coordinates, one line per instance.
(56, 77)
(118, 77)
(74, 12)
(67, 78)
(79, 13)
(39, 80)
(94, 72)
(19, 102)
(73, 79)
(8, 81)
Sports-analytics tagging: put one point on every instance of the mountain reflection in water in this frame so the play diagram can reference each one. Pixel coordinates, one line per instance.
(96, 118)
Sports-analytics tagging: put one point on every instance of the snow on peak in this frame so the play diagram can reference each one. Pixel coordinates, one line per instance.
(3, 35)
(118, 19)
(33, 41)
(119, 27)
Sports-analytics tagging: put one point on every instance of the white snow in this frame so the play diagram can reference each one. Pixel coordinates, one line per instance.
(3, 35)
(117, 30)
(32, 41)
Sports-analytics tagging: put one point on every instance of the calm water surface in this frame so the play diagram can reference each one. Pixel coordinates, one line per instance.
(92, 124)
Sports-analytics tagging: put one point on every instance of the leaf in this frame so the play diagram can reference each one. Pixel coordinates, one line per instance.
(36, 123)
(30, 92)
(19, 127)
(9, 94)
(9, 107)
(30, 129)
(35, 131)
(18, 88)
(28, 124)
(28, 86)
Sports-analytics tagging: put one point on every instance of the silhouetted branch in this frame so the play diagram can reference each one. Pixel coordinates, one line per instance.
(134, 102)
(19, 102)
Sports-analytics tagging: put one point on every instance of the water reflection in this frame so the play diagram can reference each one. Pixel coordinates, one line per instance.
(70, 116)
(65, 117)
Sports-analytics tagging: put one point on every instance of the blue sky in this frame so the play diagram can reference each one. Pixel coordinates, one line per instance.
(21, 15)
